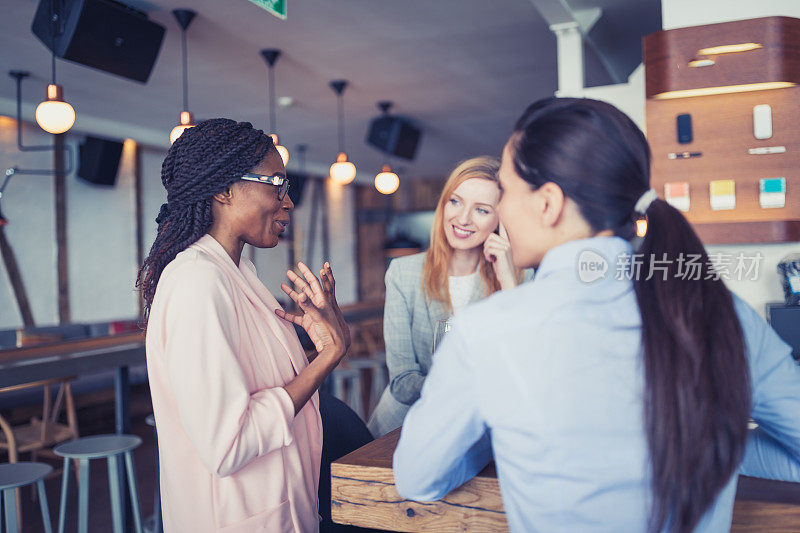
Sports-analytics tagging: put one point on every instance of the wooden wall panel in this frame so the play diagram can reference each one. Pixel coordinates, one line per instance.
(723, 132)
(722, 125)
(371, 238)
(667, 55)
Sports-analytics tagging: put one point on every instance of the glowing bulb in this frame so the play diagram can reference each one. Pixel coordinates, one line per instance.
(54, 115)
(343, 171)
(186, 120)
(387, 181)
(641, 227)
(284, 153)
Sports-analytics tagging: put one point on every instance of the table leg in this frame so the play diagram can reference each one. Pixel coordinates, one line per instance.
(122, 396)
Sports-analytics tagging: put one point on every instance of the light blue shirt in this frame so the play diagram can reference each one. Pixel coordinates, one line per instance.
(552, 370)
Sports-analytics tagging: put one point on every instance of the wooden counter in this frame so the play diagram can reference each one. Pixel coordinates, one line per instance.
(363, 494)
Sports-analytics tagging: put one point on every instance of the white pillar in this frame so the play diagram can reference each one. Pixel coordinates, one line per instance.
(569, 42)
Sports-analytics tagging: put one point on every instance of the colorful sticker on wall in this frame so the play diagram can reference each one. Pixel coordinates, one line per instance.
(772, 192)
(722, 194)
(677, 195)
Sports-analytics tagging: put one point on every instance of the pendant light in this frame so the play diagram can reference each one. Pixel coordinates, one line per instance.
(342, 171)
(185, 119)
(271, 55)
(387, 181)
(54, 115)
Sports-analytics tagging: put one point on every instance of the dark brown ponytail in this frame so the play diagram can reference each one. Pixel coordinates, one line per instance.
(697, 389)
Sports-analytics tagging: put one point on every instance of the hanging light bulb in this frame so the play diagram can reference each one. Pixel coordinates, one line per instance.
(54, 115)
(271, 55)
(281, 149)
(387, 181)
(641, 227)
(342, 171)
(185, 119)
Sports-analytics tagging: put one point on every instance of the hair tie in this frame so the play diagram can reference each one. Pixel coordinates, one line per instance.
(163, 213)
(644, 201)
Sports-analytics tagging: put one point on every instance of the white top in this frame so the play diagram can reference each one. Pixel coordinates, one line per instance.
(461, 289)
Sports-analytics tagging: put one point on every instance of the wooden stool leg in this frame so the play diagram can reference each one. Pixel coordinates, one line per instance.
(10, 503)
(83, 498)
(115, 486)
(137, 512)
(62, 508)
(48, 525)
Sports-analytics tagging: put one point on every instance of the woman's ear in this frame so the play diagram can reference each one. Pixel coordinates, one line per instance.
(224, 197)
(553, 199)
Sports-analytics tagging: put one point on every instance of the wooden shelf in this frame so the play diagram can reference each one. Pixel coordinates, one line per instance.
(748, 232)
(722, 125)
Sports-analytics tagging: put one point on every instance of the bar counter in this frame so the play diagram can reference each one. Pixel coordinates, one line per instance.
(363, 494)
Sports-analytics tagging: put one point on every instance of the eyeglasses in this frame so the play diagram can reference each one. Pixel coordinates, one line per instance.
(278, 180)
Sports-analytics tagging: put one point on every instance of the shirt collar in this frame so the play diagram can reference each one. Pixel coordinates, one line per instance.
(211, 245)
(590, 254)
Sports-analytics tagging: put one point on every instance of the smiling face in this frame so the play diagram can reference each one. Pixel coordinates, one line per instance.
(470, 214)
(255, 214)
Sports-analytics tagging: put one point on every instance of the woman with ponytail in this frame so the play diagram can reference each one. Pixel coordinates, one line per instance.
(469, 258)
(613, 391)
(234, 396)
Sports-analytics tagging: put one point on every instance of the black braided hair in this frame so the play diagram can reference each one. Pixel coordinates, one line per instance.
(202, 162)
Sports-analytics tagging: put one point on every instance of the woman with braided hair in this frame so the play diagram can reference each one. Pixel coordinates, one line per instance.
(234, 396)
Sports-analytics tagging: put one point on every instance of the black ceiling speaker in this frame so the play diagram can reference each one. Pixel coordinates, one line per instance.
(393, 135)
(102, 34)
(98, 160)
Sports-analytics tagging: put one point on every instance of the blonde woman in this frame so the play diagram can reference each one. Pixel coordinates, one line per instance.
(469, 258)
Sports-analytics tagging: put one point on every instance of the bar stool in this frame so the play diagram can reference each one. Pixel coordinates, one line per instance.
(347, 387)
(154, 523)
(379, 377)
(15, 475)
(108, 447)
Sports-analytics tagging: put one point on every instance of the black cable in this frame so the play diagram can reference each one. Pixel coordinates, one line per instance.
(185, 73)
(272, 100)
(53, 20)
(341, 123)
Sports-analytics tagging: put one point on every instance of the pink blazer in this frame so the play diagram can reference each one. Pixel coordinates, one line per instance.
(234, 457)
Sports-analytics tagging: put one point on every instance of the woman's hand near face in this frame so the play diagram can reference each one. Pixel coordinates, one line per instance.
(321, 317)
(497, 250)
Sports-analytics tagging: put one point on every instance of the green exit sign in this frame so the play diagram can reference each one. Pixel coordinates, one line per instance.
(276, 7)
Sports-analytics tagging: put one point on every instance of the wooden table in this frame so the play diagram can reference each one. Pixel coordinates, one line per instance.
(69, 358)
(363, 494)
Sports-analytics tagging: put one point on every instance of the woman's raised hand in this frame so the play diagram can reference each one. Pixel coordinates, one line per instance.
(497, 250)
(329, 287)
(320, 316)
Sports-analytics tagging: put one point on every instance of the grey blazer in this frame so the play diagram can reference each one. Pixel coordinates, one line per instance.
(409, 321)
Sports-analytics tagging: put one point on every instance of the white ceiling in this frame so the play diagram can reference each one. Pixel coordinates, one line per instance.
(464, 70)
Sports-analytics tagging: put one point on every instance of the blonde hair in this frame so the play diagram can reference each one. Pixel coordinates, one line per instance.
(435, 283)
